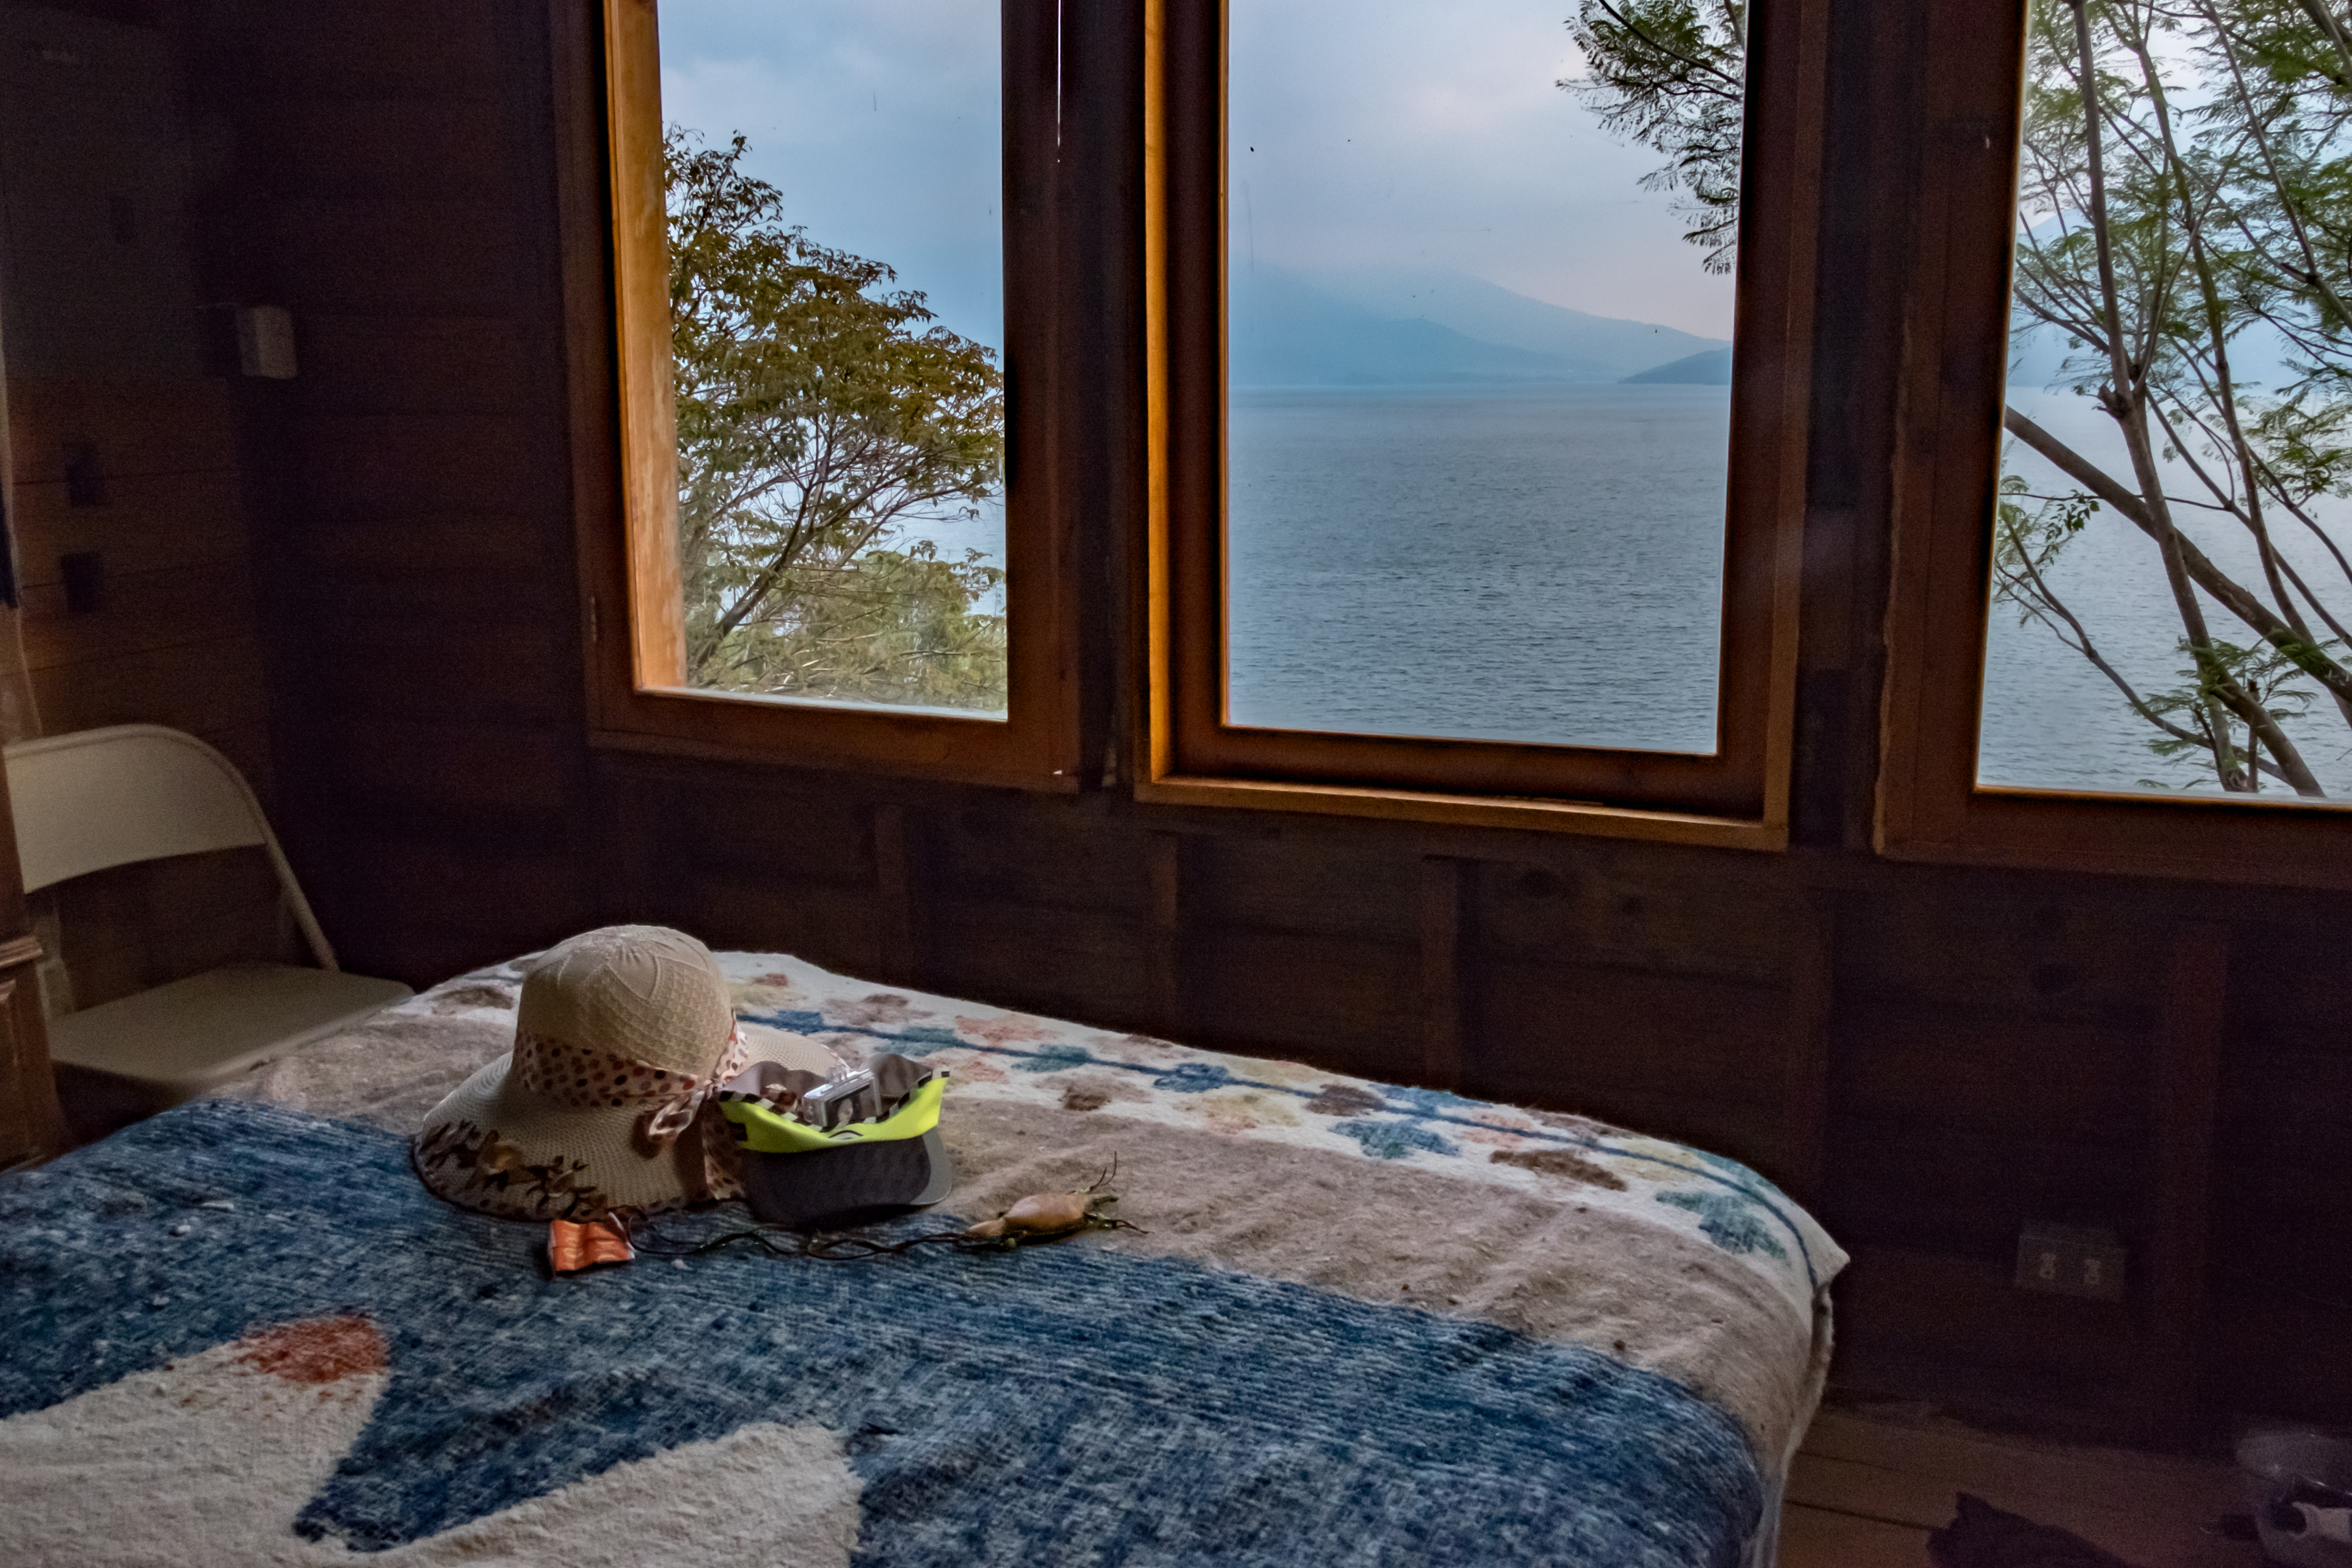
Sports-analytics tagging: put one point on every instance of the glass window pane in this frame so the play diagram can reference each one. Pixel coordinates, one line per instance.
(836, 282)
(2173, 571)
(1479, 319)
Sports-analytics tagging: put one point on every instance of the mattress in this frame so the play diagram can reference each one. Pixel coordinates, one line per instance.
(1355, 1323)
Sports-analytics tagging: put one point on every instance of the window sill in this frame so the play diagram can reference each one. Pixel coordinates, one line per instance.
(932, 757)
(2183, 838)
(1587, 817)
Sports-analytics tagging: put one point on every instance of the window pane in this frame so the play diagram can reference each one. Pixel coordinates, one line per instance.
(2180, 358)
(1479, 415)
(835, 172)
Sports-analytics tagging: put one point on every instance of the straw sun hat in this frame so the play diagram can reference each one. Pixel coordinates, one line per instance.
(607, 1100)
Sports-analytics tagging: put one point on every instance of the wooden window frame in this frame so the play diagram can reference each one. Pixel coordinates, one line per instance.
(616, 272)
(1947, 458)
(1740, 797)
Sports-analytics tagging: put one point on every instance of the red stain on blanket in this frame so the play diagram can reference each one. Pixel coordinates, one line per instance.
(317, 1350)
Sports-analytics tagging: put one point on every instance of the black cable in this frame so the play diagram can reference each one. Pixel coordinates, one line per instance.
(846, 1246)
(794, 1243)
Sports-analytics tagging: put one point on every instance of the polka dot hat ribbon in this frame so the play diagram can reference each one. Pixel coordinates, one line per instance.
(582, 1079)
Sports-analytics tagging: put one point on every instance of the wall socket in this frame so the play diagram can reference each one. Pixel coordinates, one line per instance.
(2070, 1260)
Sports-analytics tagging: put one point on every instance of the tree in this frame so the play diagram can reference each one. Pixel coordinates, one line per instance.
(820, 417)
(1672, 74)
(2185, 209)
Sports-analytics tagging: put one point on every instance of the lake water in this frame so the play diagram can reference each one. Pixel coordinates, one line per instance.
(1540, 564)
(1545, 564)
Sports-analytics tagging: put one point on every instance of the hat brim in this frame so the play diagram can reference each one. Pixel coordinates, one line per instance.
(496, 1146)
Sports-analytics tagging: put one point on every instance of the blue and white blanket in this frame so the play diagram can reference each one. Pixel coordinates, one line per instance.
(1364, 1324)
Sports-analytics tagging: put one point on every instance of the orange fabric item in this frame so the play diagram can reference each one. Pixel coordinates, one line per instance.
(572, 1247)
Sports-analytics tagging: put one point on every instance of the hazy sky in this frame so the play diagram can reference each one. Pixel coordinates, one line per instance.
(1432, 134)
(878, 120)
(1385, 134)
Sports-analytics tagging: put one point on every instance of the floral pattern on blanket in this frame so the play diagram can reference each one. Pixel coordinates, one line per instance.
(1010, 1056)
(995, 1054)
(1000, 1055)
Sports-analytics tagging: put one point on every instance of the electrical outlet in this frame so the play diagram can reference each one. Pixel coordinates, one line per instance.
(2070, 1260)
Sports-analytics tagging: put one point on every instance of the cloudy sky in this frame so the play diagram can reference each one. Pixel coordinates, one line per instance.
(1383, 134)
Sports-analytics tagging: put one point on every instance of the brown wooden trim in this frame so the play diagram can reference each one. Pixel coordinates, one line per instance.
(1805, 1034)
(626, 476)
(1947, 463)
(32, 1123)
(1164, 869)
(656, 609)
(899, 885)
(591, 372)
(1151, 701)
(2188, 1096)
(17, 950)
(1444, 991)
(1182, 737)
(1464, 811)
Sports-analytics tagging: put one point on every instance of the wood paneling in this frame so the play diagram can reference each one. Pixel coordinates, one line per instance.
(1733, 916)
(1983, 1070)
(418, 462)
(351, 257)
(1931, 1055)
(1308, 887)
(443, 50)
(1059, 962)
(399, 668)
(1051, 858)
(841, 929)
(140, 611)
(1926, 1183)
(150, 522)
(392, 188)
(136, 428)
(405, 363)
(1937, 1304)
(507, 772)
(494, 555)
(32, 1124)
(1993, 945)
(416, 149)
(173, 638)
(1349, 1005)
(1446, 953)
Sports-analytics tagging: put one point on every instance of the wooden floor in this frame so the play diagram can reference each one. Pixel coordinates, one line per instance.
(1870, 1484)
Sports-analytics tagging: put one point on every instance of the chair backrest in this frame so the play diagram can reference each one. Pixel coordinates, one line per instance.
(98, 798)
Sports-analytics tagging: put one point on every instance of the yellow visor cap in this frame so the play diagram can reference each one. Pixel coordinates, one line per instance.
(766, 1131)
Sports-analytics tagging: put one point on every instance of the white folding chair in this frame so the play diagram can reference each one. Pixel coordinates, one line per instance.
(98, 798)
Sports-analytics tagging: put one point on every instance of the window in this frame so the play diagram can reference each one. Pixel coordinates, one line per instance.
(1427, 544)
(2117, 640)
(837, 549)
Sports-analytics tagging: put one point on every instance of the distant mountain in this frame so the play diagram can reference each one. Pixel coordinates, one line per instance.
(1286, 333)
(1604, 347)
(1712, 368)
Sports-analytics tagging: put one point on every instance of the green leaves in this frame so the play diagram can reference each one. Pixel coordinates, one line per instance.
(820, 415)
(2184, 212)
(1672, 75)
(2186, 205)
(2262, 673)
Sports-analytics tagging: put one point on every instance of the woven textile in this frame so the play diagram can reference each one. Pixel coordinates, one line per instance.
(1057, 1405)
(1355, 1211)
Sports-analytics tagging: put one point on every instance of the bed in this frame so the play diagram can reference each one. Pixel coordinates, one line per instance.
(1358, 1323)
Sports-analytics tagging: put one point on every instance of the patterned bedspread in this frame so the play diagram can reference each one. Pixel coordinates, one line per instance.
(1361, 1324)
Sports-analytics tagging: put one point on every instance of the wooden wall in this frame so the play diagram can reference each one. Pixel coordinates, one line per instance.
(126, 453)
(1931, 1056)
